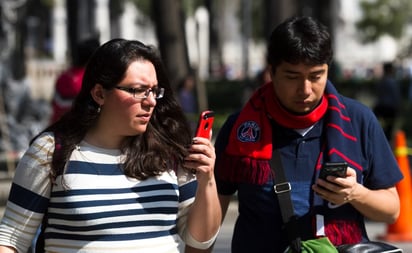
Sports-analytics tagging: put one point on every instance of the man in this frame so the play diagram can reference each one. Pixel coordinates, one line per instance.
(302, 116)
(388, 101)
(69, 82)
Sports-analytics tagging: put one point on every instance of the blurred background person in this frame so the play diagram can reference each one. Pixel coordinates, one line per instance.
(69, 82)
(187, 98)
(388, 100)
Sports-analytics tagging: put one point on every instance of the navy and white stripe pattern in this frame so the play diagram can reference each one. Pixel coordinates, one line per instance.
(98, 208)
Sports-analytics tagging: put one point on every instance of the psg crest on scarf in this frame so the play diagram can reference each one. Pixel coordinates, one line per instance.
(248, 131)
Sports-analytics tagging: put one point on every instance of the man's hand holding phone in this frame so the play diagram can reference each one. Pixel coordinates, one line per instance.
(341, 188)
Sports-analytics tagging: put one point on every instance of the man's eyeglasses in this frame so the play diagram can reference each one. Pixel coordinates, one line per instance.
(142, 93)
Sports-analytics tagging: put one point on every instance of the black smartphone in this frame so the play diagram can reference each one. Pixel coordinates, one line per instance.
(205, 123)
(337, 169)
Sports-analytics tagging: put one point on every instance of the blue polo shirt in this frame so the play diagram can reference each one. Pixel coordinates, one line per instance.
(259, 227)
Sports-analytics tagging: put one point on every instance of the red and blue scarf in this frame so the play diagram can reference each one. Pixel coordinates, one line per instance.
(249, 149)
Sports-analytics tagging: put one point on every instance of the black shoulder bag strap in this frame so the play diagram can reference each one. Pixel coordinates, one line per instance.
(282, 190)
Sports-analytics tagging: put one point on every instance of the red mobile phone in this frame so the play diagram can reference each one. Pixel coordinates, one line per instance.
(205, 123)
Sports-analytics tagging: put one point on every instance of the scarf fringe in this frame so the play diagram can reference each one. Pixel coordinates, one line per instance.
(343, 232)
(243, 170)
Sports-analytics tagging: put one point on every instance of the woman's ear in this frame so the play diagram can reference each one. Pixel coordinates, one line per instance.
(98, 94)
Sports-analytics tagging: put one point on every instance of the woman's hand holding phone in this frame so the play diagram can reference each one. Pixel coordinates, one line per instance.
(202, 154)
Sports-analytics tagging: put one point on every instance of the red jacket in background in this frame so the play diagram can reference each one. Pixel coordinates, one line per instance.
(68, 85)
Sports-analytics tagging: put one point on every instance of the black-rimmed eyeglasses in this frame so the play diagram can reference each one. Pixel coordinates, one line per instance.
(142, 93)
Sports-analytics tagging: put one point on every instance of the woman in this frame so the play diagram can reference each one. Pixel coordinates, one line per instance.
(114, 174)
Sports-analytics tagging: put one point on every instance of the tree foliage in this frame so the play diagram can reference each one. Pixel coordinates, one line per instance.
(143, 5)
(383, 17)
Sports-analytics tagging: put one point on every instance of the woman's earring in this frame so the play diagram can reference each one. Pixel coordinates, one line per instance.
(99, 109)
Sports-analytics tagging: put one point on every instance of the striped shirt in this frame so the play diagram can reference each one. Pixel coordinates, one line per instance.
(96, 208)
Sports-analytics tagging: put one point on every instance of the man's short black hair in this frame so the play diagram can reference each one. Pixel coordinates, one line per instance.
(300, 40)
(388, 68)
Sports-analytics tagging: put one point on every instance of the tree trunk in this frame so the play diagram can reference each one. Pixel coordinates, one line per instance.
(17, 57)
(169, 20)
(80, 20)
(215, 48)
(276, 12)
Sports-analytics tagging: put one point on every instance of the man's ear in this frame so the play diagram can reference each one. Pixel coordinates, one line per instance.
(98, 94)
(270, 70)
